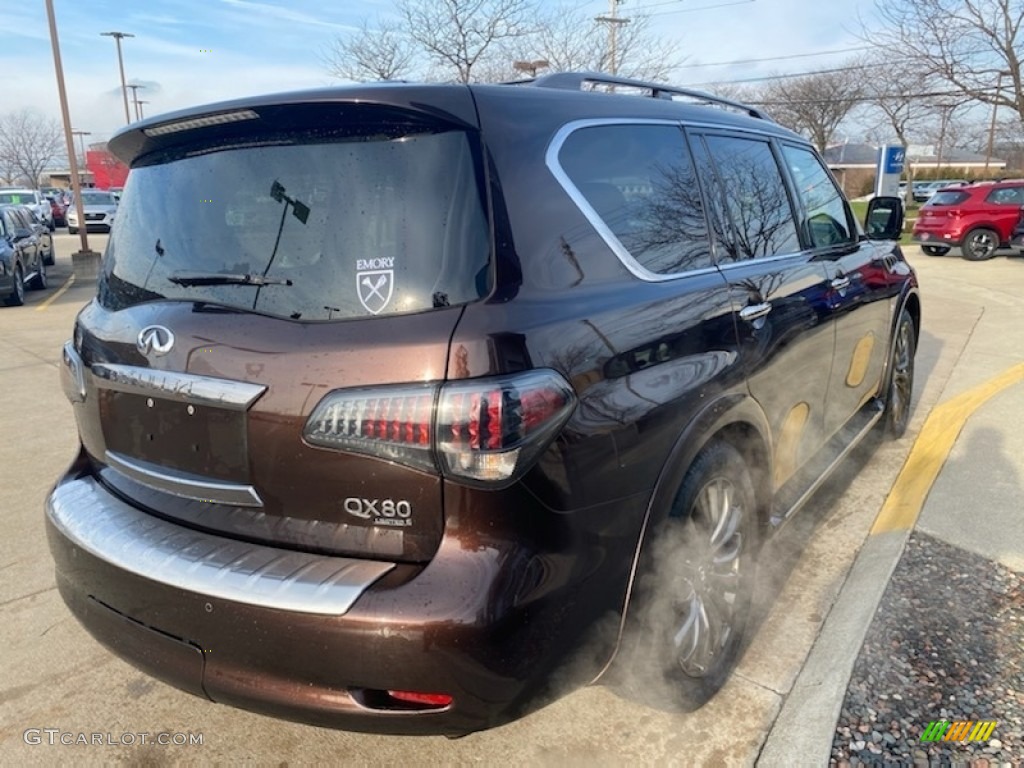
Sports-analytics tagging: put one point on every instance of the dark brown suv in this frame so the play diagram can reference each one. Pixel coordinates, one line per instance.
(394, 399)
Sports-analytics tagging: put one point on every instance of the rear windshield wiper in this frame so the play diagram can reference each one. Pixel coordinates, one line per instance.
(214, 278)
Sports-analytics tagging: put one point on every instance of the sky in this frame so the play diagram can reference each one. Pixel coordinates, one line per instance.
(191, 52)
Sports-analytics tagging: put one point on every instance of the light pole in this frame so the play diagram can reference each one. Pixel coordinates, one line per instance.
(614, 22)
(120, 64)
(139, 104)
(992, 124)
(81, 142)
(76, 184)
(135, 98)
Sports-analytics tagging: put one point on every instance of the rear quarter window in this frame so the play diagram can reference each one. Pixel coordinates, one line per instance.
(947, 198)
(639, 181)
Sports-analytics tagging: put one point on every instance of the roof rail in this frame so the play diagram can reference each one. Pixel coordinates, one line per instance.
(576, 81)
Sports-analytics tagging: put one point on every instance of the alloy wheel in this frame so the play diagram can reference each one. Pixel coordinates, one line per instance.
(712, 577)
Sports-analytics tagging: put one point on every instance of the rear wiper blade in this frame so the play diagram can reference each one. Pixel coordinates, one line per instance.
(214, 278)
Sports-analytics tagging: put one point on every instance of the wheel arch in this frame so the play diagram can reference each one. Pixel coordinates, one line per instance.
(736, 419)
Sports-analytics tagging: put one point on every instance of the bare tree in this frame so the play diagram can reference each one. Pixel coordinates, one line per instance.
(380, 52)
(975, 47)
(570, 40)
(29, 141)
(814, 105)
(457, 34)
(478, 41)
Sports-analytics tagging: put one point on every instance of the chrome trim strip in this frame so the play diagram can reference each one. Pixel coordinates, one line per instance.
(72, 373)
(779, 520)
(182, 484)
(182, 387)
(551, 160)
(119, 534)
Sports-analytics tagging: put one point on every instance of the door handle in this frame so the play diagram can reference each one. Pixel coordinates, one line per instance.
(755, 312)
(841, 283)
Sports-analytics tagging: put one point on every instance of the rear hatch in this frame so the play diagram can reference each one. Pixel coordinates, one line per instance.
(940, 210)
(262, 260)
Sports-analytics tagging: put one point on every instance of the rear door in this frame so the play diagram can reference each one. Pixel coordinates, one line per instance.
(778, 291)
(251, 272)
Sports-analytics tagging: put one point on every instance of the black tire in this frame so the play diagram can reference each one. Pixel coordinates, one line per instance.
(38, 283)
(980, 244)
(72, 230)
(694, 594)
(17, 297)
(900, 387)
(935, 250)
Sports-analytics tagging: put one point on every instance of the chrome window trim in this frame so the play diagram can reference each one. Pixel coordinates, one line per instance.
(622, 253)
(181, 387)
(96, 521)
(182, 484)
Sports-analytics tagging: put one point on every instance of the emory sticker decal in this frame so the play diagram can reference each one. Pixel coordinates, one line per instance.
(374, 284)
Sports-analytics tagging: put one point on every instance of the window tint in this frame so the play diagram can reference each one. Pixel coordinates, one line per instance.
(640, 181)
(386, 220)
(755, 199)
(946, 198)
(827, 222)
(1007, 196)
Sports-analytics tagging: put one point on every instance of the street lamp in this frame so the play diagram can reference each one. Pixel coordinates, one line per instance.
(139, 104)
(995, 109)
(120, 64)
(135, 98)
(81, 143)
(86, 255)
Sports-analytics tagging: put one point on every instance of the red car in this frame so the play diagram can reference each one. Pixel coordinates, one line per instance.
(978, 219)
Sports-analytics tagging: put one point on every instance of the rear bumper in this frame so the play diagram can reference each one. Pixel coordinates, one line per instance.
(482, 625)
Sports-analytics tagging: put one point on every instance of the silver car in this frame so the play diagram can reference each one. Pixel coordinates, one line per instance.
(99, 208)
(33, 199)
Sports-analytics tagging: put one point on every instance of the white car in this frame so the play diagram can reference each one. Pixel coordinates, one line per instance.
(34, 199)
(99, 208)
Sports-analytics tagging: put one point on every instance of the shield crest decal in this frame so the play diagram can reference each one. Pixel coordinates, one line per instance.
(375, 289)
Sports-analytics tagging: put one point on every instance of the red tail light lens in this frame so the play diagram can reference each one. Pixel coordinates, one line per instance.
(477, 430)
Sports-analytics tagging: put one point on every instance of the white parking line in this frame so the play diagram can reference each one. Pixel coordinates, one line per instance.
(59, 292)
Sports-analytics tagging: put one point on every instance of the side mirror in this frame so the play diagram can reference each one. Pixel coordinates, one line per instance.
(884, 218)
(21, 234)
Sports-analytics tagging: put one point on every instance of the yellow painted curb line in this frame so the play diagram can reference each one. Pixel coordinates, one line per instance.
(59, 292)
(931, 449)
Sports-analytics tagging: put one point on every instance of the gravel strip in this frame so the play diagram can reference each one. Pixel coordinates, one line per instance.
(947, 643)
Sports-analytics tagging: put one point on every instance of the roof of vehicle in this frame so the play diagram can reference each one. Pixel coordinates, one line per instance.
(459, 103)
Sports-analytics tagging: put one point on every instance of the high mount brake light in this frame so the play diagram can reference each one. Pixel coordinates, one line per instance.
(479, 431)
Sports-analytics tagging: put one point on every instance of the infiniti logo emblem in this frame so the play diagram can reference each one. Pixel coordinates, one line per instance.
(155, 339)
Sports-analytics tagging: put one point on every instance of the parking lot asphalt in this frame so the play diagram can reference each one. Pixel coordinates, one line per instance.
(822, 578)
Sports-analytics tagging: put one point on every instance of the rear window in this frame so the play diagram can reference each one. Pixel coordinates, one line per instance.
(371, 222)
(947, 198)
(17, 198)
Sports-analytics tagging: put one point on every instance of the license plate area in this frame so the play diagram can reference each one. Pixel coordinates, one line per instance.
(198, 439)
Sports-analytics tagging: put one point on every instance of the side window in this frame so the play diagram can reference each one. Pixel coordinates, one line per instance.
(1007, 196)
(640, 181)
(755, 198)
(827, 222)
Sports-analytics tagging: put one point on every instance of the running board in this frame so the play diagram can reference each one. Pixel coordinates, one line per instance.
(798, 490)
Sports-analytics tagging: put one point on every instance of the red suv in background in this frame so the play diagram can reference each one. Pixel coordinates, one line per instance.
(978, 218)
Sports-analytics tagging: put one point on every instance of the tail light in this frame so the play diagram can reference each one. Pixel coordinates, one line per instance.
(479, 431)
